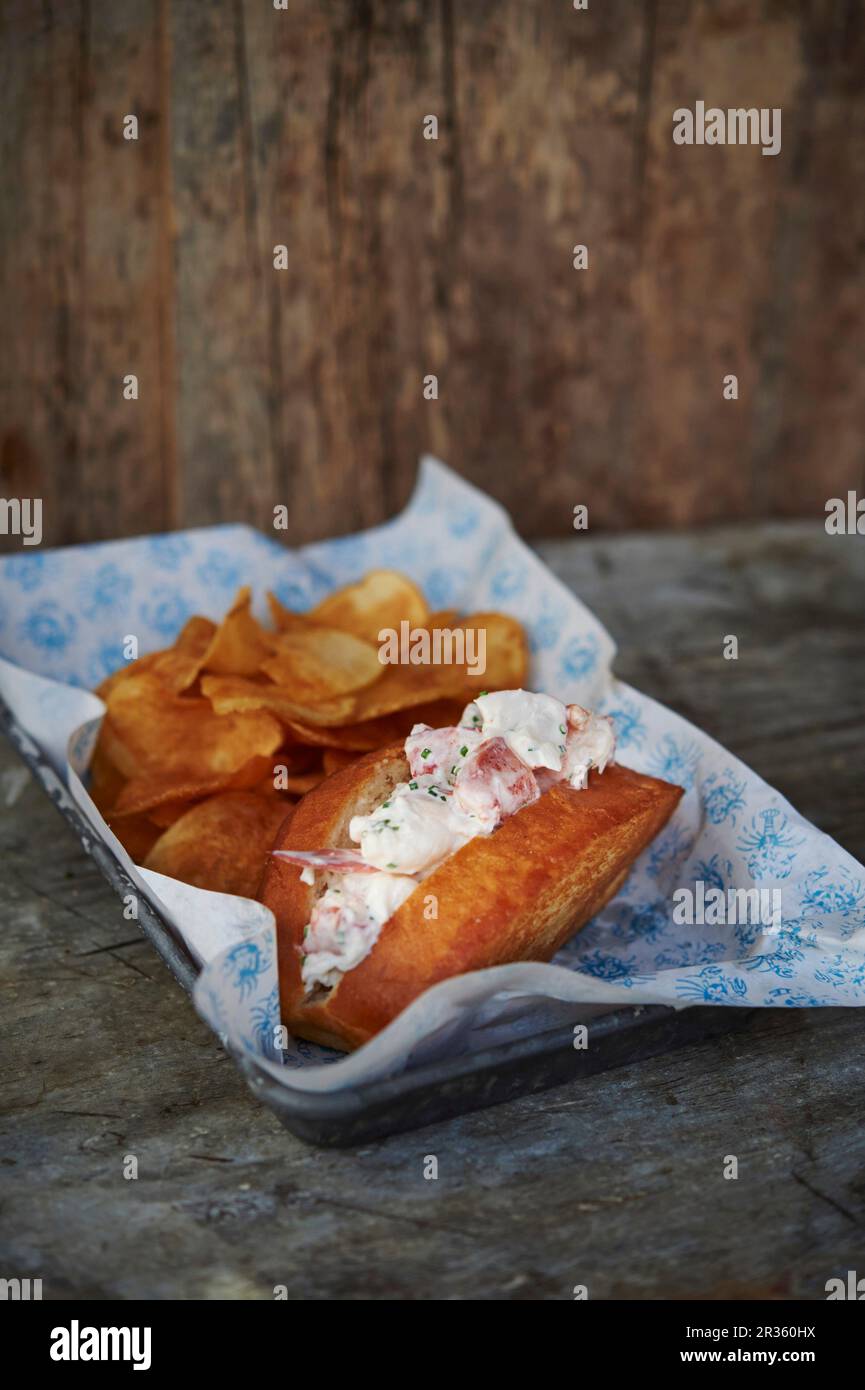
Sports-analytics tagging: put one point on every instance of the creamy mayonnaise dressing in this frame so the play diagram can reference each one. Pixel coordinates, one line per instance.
(508, 748)
(418, 826)
(346, 921)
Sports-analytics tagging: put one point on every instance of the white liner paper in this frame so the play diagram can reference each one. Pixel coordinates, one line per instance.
(63, 619)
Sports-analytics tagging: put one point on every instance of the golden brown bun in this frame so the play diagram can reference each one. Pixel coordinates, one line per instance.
(517, 894)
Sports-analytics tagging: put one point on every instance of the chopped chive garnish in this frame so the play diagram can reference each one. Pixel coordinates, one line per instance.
(425, 752)
(464, 750)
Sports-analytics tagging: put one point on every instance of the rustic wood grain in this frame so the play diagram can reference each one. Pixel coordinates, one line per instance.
(409, 257)
(84, 288)
(615, 1183)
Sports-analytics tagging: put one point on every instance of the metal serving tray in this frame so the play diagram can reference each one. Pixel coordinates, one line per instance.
(429, 1093)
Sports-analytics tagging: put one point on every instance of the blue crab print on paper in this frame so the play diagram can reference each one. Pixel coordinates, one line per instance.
(265, 1020)
(746, 933)
(725, 797)
(579, 658)
(464, 522)
(507, 583)
(544, 633)
(668, 852)
(107, 658)
(833, 971)
(48, 627)
(617, 970)
(781, 962)
(628, 722)
(839, 970)
(297, 594)
(104, 590)
(675, 760)
(793, 999)
(845, 895)
(27, 571)
(168, 552)
(349, 556)
(300, 1052)
(651, 921)
(647, 922)
(799, 931)
(443, 586)
(769, 845)
(687, 953)
(218, 570)
(244, 964)
(166, 611)
(714, 872)
(711, 986)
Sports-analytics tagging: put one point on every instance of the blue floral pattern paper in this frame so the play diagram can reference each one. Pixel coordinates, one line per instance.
(64, 615)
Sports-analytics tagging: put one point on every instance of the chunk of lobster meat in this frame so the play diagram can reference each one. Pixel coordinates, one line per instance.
(494, 783)
(439, 753)
(590, 742)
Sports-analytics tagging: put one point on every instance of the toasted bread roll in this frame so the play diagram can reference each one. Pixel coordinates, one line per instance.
(517, 894)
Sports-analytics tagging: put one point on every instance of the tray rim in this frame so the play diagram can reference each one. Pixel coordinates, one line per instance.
(297, 1106)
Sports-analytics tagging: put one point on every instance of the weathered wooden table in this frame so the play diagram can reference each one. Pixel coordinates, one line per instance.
(616, 1183)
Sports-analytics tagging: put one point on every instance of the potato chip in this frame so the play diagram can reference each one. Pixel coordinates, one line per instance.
(221, 844)
(240, 644)
(335, 759)
(169, 812)
(150, 790)
(282, 769)
(132, 668)
(178, 666)
(267, 787)
(105, 780)
(137, 834)
(439, 714)
(303, 782)
(382, 599)
(356, 738)
(445, 617)
(377, 733)
(147, 729)
(507, 653)
(319, 662)
(401, 687)
(230, 694)
(284, 619)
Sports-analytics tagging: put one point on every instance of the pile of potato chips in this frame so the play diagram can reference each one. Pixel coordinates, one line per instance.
(207, 746)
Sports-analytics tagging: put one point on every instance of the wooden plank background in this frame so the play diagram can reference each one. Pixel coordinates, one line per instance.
(303, 386)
